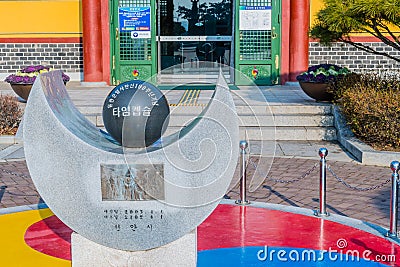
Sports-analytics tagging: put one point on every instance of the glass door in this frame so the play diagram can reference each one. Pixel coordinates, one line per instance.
(194, 34)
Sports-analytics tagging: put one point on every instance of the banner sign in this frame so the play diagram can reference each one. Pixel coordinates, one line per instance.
(136, 20)
(255, 18)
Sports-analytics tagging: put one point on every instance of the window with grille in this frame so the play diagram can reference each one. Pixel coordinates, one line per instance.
(134, 49)
(255, 45)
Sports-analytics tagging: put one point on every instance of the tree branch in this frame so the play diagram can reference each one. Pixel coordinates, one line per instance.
(395, 38)
(368, 49)
(382, 37)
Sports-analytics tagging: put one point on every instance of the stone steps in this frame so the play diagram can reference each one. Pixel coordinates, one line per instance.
(280, 133)
(322, 109)
(249, 121)
(280, 122)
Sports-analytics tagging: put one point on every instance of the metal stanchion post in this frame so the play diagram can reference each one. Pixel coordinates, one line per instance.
(395, 165)
(323, 152)
(243, 201)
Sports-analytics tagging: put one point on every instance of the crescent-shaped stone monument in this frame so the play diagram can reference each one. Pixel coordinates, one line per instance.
(128, 199)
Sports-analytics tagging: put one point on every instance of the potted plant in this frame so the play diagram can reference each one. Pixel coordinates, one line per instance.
(316, 80)
(21, 82)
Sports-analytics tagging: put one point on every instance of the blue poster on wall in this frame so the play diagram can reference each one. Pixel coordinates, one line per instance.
(135, 20)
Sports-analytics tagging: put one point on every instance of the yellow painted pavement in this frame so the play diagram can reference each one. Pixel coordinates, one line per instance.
(13, 250)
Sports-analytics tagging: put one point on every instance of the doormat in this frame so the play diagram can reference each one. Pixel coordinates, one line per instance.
(193, 87)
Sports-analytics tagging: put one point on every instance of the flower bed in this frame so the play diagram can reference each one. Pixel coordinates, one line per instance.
(28, 75)
(22, 81)
(323, 73)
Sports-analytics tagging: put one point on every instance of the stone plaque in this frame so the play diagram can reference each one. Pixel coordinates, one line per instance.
(133, 182)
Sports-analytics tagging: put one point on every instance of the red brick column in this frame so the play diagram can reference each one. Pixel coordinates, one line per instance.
(285, 33)
(105, 25)
(92, 41)
(298, 39)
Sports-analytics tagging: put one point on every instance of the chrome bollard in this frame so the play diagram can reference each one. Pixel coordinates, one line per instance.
(243, 176)
(395, 165)
(323, 152)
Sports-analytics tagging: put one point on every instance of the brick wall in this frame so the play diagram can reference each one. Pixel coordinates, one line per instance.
(346, 55)
(69, 56)
(65, 56)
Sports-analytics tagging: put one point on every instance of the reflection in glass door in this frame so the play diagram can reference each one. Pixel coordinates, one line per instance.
(194, 34)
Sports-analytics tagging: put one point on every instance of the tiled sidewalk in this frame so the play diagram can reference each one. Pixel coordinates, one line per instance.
(16, 188)
(371, 206)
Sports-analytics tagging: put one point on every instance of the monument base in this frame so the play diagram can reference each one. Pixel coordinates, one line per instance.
(181, 252)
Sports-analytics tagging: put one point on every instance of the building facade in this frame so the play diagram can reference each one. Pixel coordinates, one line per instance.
(117, 40)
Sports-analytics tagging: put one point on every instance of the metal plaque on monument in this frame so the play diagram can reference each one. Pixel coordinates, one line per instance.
(131, 197)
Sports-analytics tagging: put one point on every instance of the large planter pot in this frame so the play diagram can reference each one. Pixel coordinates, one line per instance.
(317, 91)
(22, 90)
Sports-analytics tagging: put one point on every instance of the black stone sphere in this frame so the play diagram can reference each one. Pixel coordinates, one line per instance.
(136, 114)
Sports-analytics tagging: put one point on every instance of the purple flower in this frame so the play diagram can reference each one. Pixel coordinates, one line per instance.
(322, 73)
(20, 77)
(302, 77)
(27, 79)
(313, 68)
(29, 69)
(36, 68)
(320, 78)
(10, 78)
(65, 77)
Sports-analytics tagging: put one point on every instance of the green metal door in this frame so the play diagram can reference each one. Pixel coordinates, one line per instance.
(257, 41)
(133, 55)
(256, 48)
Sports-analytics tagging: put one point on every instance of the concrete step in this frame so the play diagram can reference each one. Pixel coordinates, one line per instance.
(284, 109)
(250, 121)
(302, 122)
(306, 120)
(278, 120)
(280, 133)
(241, 110)
(290, 109)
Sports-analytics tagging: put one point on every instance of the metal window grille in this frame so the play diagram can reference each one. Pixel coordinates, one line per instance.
(255, 45)
(163, 8)
(134, 49)
(255, 2)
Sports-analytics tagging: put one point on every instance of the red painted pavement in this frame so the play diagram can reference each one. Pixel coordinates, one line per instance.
(51, 237)
(235, 226)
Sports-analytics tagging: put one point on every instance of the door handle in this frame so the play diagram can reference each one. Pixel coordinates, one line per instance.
(274, 35)
(116, 34)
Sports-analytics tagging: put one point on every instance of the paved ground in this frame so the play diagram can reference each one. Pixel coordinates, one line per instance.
(292, 161)
(16, 187)
(372, 206)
